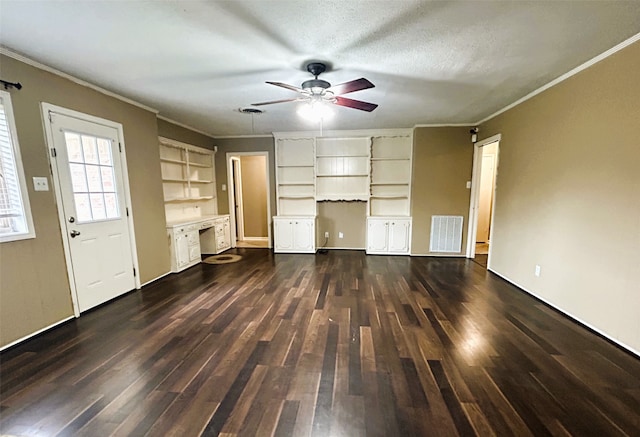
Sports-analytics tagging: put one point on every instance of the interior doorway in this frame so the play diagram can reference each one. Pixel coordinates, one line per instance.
(249, 194)
(482, 202)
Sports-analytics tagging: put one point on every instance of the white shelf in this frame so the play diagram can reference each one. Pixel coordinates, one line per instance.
(295, 166)
(196, 164)
(181, 181)
(187, 199)
(389, 196)
(173, 161)
(391, 159)
(342, 175)
(342, 156)
(346, 197)
(297, 196)
(296, 183)
(200, 181)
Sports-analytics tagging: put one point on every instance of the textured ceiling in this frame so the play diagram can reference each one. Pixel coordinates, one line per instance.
(432, 62)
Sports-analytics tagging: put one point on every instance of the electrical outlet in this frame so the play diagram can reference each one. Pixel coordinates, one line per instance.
(340, 235)
(40, 184)
(326, 234)
(537, 271)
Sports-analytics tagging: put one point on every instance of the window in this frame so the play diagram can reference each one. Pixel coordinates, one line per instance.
(15, 213)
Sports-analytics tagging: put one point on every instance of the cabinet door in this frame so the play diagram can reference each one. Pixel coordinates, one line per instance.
(182, 249)
(377, 235)
(283, 230)
(399, 236)
(303, 235)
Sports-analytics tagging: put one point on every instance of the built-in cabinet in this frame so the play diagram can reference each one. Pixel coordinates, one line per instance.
(184, 243)
(388, 235)
(375, 169)
(294, 234)
(191, 208)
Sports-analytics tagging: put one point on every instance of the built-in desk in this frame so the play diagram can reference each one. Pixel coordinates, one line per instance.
(190, 238)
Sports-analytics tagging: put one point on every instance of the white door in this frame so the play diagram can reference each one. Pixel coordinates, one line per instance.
(91, 184)
(283, 234)
(399, 236)
(303, 235)
(377, 235)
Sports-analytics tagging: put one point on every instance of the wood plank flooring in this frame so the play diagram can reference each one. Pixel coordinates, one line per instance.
(340, 344)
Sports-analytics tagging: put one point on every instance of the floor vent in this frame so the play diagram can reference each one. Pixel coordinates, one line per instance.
(446, 233)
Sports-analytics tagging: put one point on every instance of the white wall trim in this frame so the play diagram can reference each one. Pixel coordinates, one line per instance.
(232, 217)
(565, 76)
(231, 137)
(445, 125)
(18, 57)
(439, 255)
(186, 126)
(568, 314)
(33, 334)
(472, 226)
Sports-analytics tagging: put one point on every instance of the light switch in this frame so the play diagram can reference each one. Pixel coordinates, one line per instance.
(40, 184)
(468, 184)
(224, 187)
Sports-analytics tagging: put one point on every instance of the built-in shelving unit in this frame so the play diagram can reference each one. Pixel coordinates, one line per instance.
(296, 177)
(375, 169)
(390, 188)
(188, 180)
(342, 169)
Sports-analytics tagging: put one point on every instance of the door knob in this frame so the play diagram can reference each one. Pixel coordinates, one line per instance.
(72, 219)
(74, 233)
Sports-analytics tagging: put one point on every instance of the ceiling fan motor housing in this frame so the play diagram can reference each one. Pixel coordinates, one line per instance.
(315, 83)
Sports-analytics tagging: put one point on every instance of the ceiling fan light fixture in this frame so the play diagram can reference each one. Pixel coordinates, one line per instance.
(315, 111)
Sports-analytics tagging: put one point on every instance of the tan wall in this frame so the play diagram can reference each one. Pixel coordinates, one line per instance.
(350, 218)
(568, 195)
(173, 131)
(442, 161)
(227, 145)
(34, 289)
(254, 196)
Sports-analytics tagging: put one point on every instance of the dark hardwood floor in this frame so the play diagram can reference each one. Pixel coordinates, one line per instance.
(340, 344)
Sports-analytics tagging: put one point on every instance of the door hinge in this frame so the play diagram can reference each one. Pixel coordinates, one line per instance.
(120, 147)
(134, 272)
(127, 210)
(50, 117)
(53, 152)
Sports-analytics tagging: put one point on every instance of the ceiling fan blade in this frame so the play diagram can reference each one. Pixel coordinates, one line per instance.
(287, 86)
(274, 101)
(355, 104)
(349, 87)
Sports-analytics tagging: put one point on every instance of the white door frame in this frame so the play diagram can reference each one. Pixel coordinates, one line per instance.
(236, 167)
(475, 195)
(230, 186)
(49, 144)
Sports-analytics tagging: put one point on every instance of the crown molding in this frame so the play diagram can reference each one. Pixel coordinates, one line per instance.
(565, 76)
(230, 137)
(18, 57)
(186, 126)
(445, 125)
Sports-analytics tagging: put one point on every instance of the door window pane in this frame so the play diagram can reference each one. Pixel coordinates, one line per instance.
(90, 149)
(97, 206)
(83, 208)
(78, 178)
(92, 177)
(104, 151)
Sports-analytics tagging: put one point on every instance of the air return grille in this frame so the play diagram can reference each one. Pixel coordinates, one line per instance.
(446, 233)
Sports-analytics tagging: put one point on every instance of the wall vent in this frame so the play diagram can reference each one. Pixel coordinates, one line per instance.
(446, 233)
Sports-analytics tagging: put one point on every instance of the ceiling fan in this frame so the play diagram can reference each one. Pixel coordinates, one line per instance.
(320, 91)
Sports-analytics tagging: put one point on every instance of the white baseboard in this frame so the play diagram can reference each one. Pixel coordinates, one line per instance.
(33, 334)
(571, 316)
